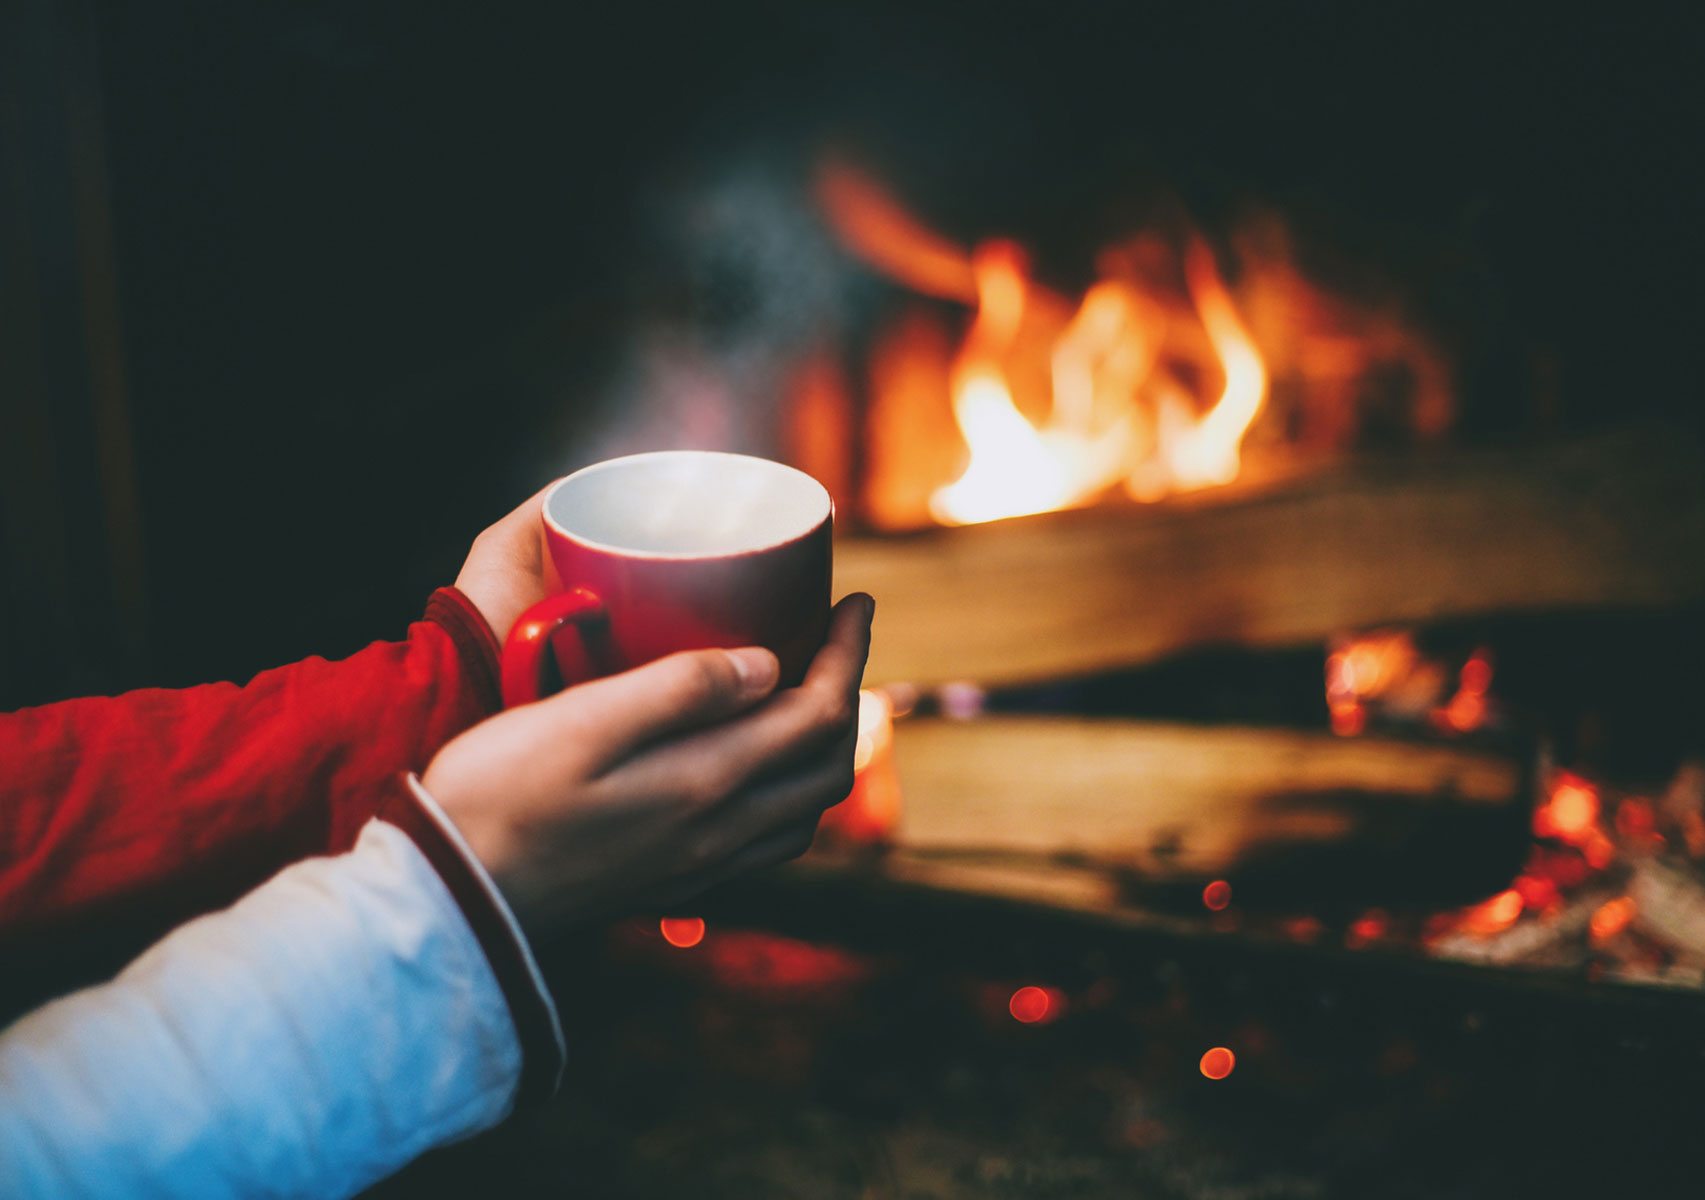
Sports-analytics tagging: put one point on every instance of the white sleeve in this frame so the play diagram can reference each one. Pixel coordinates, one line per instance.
(326, 1029)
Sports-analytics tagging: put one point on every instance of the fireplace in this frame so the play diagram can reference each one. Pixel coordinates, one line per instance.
(1271, 439)
(1206, 595)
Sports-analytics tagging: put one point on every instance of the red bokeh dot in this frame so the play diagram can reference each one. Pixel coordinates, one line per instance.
(683, 932)
(1030, 1005)
(1218, 1062)
(1217, 895)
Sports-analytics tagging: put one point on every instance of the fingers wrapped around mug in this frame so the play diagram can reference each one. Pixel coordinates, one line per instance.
(807, 725)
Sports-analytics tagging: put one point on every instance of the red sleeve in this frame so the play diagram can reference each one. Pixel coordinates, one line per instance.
(122, 817)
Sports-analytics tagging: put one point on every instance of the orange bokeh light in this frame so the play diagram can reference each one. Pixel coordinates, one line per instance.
(1217, 895)
(1492, 916)
(682, 932)
(1033, 1005)
(1570, 814)
(1218, 1063)
(1611, 918)
(1369, 927)
(1537, 892)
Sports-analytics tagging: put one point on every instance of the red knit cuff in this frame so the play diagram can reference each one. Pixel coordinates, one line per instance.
(530, 1007)
(475, 643)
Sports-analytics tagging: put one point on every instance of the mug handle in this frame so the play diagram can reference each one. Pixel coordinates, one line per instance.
(527, 651)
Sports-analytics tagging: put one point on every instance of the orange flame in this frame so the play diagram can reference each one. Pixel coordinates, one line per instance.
(1015, 468)
(1100, 402)
(1200, 452)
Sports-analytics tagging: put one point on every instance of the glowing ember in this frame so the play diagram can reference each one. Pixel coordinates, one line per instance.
(682, 932)
(1537, 892)
(1217, 895)
(1598, 849)
(1570, 814)
(1369, 927)
(875, 727)
(1466, 710)
(1492, 916)
(1365, 668)
(1636, 821)
(1218, 1063)
(1034, 1005)
(871, 811)
(1611, 918)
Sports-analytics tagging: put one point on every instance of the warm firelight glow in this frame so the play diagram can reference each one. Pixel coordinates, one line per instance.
(1465, 711)
(1218, 1063)
(1370, 927)
(1202, 451)
(1366, 667)
(1570, 814)
(1033, 1005)
(682, 932)
(1015, 468)
(1492, 916)
(1152, 384)
(871, 812)
(1611, 918)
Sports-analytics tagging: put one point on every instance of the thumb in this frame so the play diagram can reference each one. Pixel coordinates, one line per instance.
(672, 695)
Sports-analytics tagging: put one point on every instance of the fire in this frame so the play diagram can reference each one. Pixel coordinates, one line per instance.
(1366, 668)
(1015, 468)
(1611, 918)
(1149, 383)
(1206, 451)
(1492, 916)
(871, 811)
(1018, 467)
(1570, 813)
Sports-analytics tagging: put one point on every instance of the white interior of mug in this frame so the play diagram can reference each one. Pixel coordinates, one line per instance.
(687, 504)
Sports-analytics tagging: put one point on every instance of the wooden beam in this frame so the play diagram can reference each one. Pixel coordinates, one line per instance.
(1614, 523)
(1179, 801)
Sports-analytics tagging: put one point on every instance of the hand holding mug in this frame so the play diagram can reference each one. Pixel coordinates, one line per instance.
(675, 550)
(680, 590)
(644, 788)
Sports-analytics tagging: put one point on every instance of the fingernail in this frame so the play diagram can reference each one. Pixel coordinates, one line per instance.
(869, 607)
(757, 668)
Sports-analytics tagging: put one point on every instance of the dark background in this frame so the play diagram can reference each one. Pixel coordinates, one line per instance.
(299, 296)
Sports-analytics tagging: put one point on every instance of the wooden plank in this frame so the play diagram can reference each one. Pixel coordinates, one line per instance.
(1615, 523)
(1174, 800)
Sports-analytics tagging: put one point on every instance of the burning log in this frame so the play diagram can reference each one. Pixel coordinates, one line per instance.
(1608, 524)
(1178, 802)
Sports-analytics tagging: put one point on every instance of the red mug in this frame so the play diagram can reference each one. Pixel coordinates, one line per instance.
(675, 550)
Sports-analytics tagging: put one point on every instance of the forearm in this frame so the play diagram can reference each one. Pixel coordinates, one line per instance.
(121, 817)
(332, 1025)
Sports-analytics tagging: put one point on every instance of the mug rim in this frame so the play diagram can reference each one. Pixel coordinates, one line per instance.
(682, 555)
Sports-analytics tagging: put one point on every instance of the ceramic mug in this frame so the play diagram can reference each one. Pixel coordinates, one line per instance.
(675, 550)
